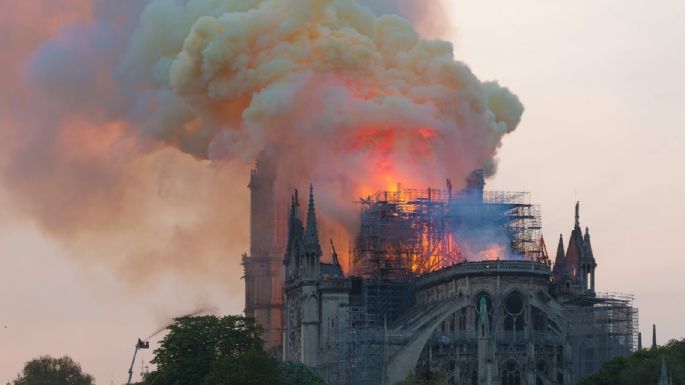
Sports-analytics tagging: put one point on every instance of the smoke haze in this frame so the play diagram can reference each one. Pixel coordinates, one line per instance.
(129, 128)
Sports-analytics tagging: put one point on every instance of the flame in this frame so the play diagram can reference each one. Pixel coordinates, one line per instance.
(492, 253)
(420, 240)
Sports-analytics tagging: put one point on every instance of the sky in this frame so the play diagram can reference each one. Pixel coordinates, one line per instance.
(602, 87)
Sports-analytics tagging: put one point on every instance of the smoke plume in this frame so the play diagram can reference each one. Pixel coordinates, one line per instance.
(133, 127)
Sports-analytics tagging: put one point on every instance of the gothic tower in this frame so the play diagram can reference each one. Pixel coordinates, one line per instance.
(263, 268)
(303, 275)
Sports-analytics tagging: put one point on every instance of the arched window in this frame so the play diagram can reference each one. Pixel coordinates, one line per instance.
(511, 373)
(513, 307)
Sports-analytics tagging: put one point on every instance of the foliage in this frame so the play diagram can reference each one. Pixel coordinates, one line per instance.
(295, 373)
(194, 347)
(643, 367)
(426, 377)
(221, 351)
(53, 371)
(250, 368)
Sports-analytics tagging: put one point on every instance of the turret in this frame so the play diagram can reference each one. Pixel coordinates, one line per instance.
(589, 263)
(575, 269)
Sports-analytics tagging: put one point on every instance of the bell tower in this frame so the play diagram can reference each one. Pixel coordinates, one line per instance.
(263, 268)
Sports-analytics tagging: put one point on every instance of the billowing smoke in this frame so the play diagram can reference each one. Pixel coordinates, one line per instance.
(138, 123)
(352, 102)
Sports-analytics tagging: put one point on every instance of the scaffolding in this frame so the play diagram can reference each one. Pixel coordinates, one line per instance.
(603, 331)
(360, 354)
(409, 232)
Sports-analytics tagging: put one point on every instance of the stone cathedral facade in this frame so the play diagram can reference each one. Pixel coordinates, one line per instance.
(509, 321)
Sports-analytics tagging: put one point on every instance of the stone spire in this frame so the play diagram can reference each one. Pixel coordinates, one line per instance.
(577, 215)
(560, 249)
(560, 270)
(312, 232)
(653, 336)
(295, 207)
(294, 231)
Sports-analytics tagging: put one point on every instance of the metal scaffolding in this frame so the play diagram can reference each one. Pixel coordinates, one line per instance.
(407, 233)
(603, 331)
(358, 359)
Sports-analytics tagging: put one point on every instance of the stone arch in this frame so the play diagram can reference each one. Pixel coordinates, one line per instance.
(404, 361)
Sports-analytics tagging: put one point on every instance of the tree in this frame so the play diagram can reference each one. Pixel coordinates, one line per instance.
(221, 351)
(46, 370)
(295, 373)
(250, 368)
(194, 346)
(642, 367)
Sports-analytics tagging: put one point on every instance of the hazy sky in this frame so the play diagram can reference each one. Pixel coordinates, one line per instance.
(603, 89)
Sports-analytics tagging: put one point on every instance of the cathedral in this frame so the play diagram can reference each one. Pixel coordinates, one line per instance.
(434, 288)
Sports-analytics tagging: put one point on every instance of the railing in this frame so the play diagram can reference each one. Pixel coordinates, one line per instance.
(335, 284)
(500, 337)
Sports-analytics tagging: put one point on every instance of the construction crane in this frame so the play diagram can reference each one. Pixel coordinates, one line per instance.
(139, 345)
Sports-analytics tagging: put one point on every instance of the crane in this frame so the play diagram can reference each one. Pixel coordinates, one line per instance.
(139, 345)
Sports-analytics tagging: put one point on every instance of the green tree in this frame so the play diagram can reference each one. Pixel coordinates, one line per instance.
(294, 373)
(194, 346)
(643, 367)
(53, 371)
(250, 368)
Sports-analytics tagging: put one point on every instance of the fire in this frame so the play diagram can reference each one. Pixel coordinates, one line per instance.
(492, 253)
(422, 231)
